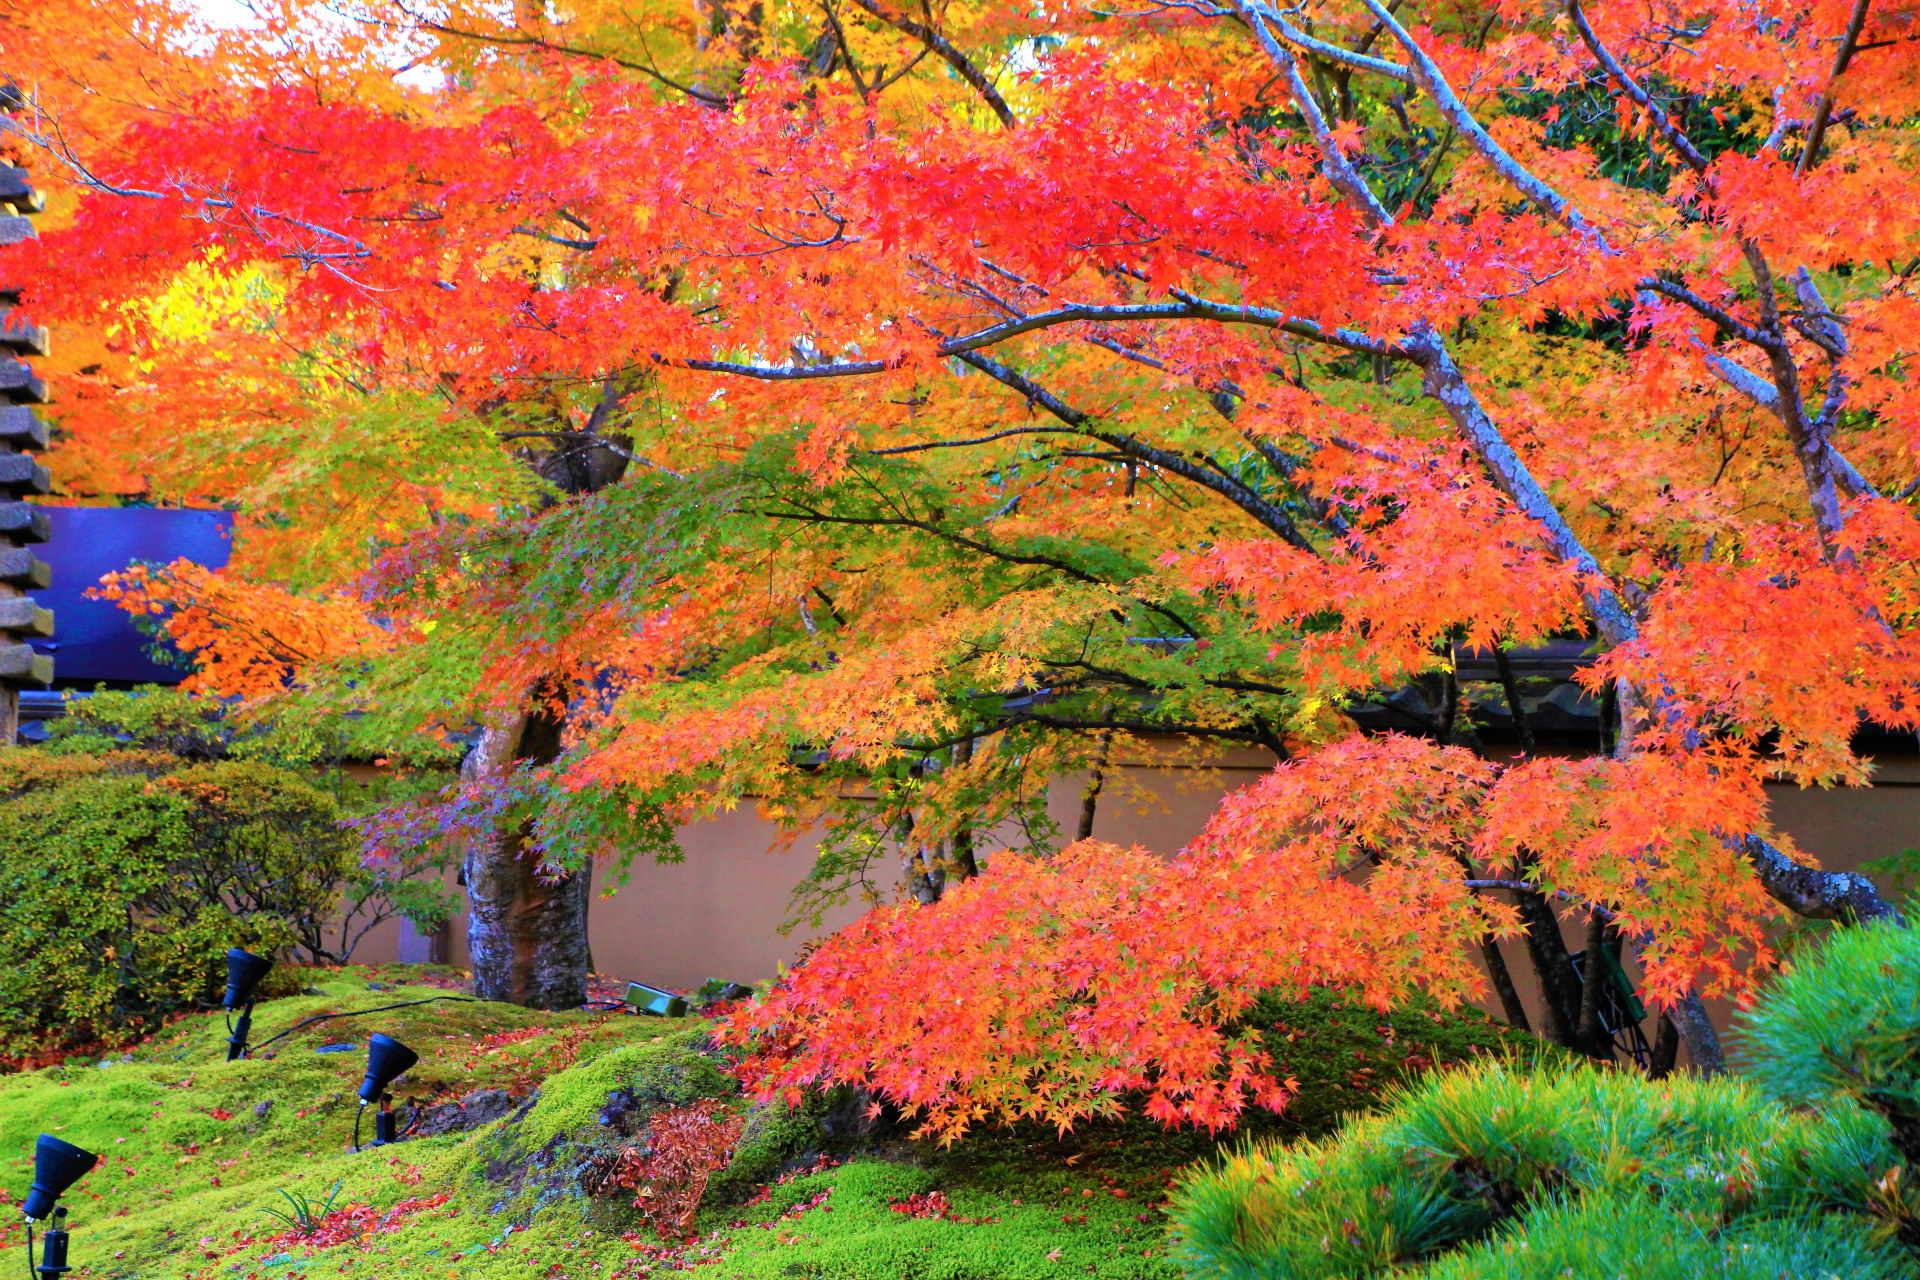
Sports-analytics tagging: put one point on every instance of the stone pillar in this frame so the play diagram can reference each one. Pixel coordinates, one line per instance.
(22, 434)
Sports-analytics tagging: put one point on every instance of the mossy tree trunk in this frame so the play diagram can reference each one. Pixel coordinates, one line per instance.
(526, 931)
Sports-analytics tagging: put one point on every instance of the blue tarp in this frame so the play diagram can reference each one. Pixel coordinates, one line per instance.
(94, 639)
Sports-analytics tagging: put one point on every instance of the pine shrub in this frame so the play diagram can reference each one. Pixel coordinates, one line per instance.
(1512, 1171)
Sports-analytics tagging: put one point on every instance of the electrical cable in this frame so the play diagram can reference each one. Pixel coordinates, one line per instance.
(33, 1272)
(354, 1013)
(357, 1113)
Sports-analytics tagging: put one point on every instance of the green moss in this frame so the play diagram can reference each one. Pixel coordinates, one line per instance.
(772, 1138)
(1345, 1056)
(185, 1195)
(666, 1069)
(1019, 1231)
(193, 1161)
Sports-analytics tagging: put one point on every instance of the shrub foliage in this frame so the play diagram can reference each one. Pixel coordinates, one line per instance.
(125, 878)
(1499, 1171)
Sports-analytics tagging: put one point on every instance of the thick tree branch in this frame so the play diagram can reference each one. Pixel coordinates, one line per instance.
(1257, 11)
(1724, 320)
(1444, 382)
(961, 64)
(1339, 171)
(1186, 308)
(1669, 130)
(1271, 517)
(1427, 74)
(1823, 110)
(1816, 894)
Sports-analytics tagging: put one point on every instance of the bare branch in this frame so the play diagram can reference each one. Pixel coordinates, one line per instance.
(1271, 517)
(1258, 11)
(1188, 307)
(1339, 171)
(537, 42)
(1427, 74)
(961, 64)
(1823, 110)
(1675, 137)
(1729, 324)
(962, 444)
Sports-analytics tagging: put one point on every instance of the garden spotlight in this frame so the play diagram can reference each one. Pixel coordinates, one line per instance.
(387, 1060)
(244, 971)
(57, 1165)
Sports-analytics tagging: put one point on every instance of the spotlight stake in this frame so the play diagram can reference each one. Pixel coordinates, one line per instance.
(53, 1247)
(57, 1165)
(387, 1060)
(244, 971)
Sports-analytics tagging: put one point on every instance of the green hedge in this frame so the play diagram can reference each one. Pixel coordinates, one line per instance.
(121, 887)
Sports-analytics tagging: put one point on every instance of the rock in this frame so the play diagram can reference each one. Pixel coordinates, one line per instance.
(431, 1122)
(482, 1106)
(486, 1105)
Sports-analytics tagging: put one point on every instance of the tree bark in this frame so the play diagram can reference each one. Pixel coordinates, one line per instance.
(1666, 1049)
(965, 864)
(1510, 1002)
(526, 932)
(1090, 798)
(1697, 1032)
(1559, 997)
(1594, 1041)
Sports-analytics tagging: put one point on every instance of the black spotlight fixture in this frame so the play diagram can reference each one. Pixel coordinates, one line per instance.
(387, 1061)
(57, 1165)
(244, 971)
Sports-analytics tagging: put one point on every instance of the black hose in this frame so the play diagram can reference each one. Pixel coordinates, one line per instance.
(354, 1013)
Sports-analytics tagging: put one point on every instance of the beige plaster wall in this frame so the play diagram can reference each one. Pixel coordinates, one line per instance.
(716, 915)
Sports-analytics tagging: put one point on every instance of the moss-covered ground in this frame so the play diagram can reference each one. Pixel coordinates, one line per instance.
(199, 1154)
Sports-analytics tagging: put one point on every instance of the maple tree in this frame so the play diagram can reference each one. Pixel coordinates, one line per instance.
(935, 399)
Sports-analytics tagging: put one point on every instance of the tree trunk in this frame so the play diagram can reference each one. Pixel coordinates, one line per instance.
(1553, 967)
(1497, 972)
(1697, 1033)
(1666, 1049)
(1090, 798)
(526, 933)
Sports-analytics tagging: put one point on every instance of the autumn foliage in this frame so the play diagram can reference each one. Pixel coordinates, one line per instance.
(684, 1147)
(245, 638)
(879, 414)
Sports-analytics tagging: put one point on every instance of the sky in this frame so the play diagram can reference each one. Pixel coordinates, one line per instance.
(235, 15)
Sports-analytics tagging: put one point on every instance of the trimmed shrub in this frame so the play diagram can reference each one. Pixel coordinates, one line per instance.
(119, 891)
